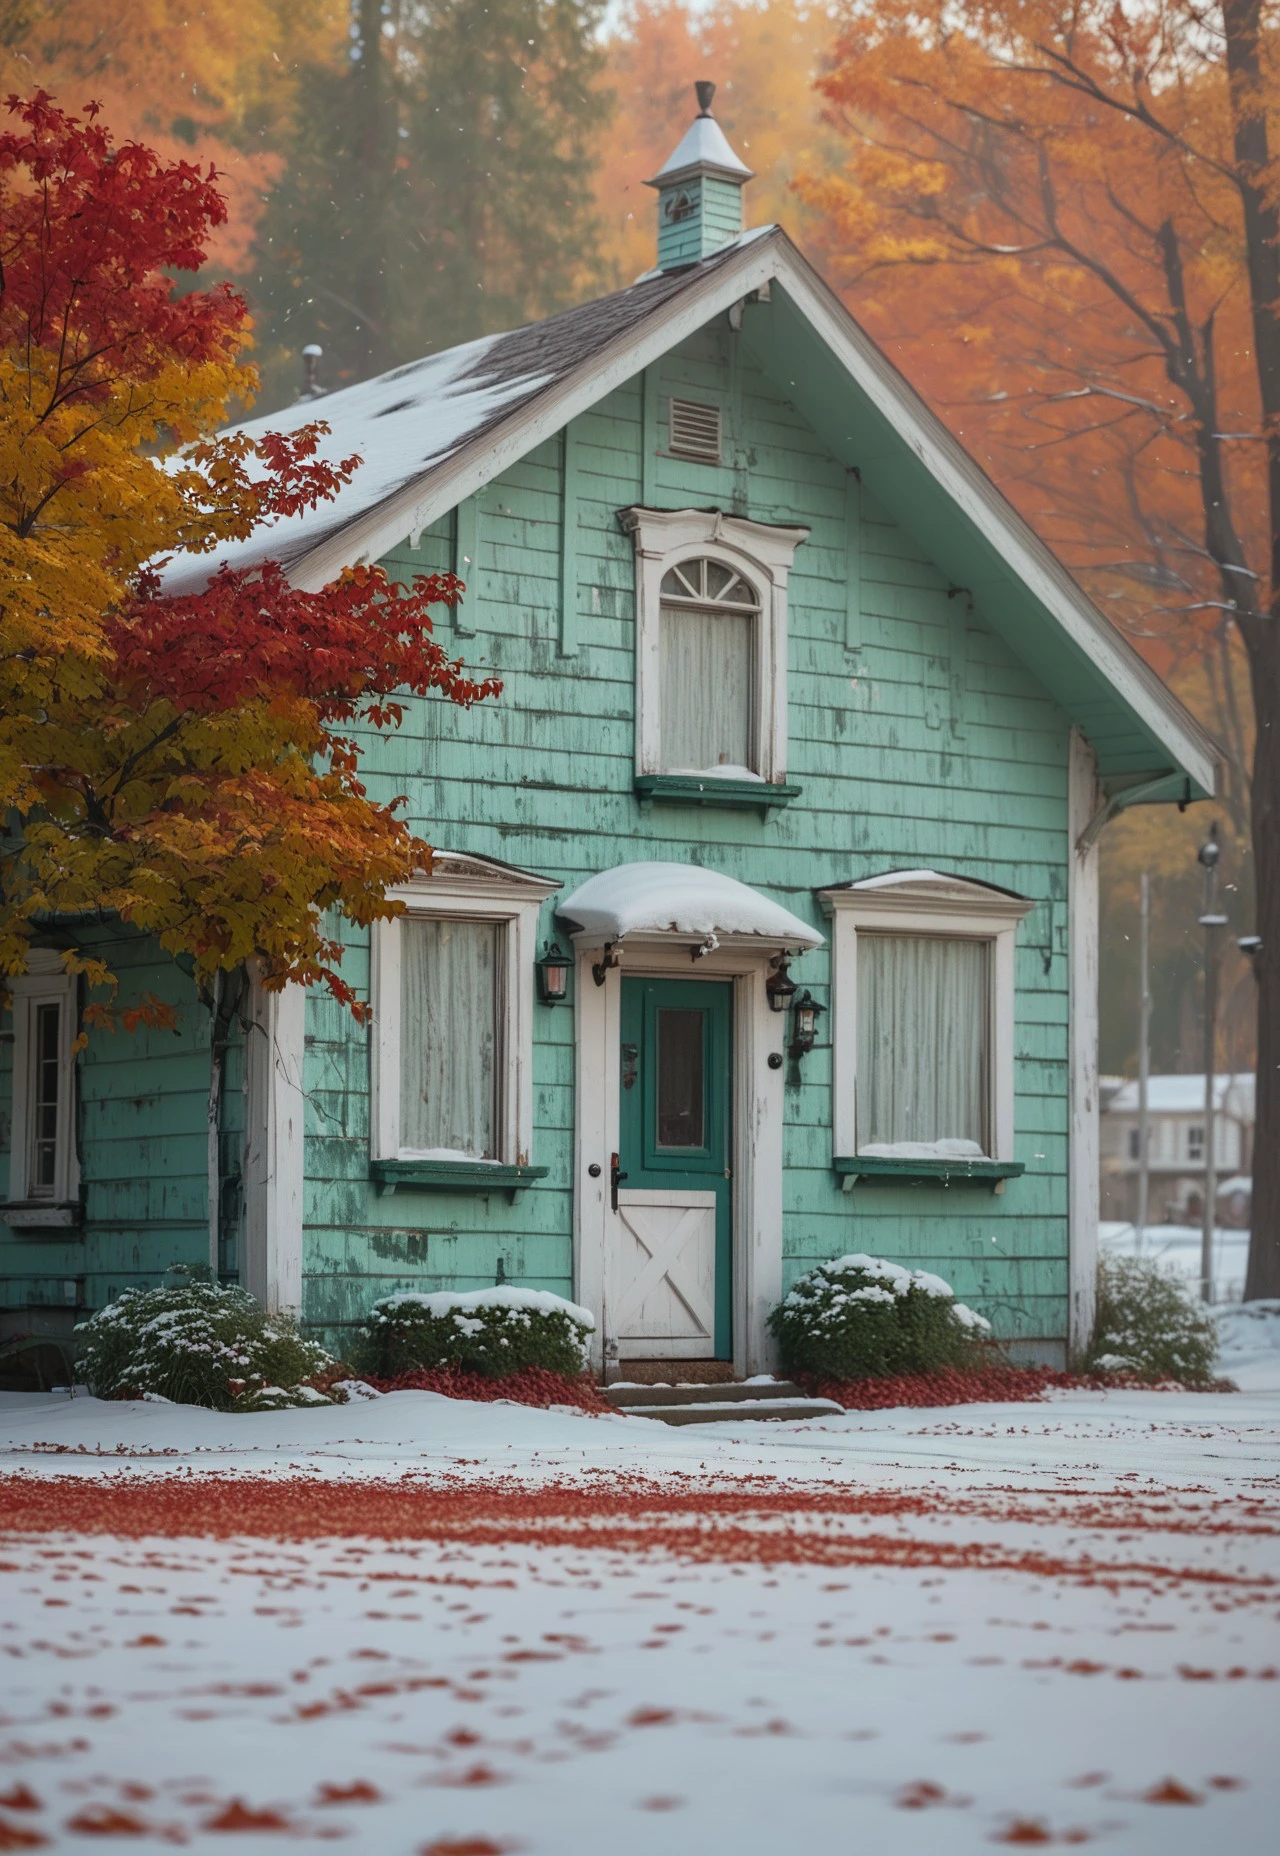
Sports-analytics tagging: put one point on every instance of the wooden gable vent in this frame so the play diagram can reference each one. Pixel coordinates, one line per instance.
(694, 431)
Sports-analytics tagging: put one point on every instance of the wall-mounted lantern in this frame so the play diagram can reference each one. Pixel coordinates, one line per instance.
(804, 1023)
(779, 987)
(553, 976)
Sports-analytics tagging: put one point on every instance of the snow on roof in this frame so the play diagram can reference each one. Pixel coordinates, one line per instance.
(1184, 1095)
(399, 424)
(658, 898)
(703, 145)
(407, 423)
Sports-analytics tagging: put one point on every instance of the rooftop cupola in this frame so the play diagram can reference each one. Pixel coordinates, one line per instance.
(699, 191)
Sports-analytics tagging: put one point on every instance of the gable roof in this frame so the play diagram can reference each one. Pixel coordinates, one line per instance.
(435, 431)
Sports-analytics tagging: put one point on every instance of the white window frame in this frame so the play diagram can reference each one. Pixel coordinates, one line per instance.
(919, 902)
(473, 889)
(46, 983)
(762, 553)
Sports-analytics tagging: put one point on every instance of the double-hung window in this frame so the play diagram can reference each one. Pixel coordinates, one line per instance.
(711, 645)
(453, 978)
(43, 1168)
(923, 1017)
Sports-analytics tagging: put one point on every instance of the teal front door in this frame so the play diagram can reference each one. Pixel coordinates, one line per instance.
(674, 1190)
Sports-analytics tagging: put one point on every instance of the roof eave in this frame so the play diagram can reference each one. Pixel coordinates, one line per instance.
(418, 504)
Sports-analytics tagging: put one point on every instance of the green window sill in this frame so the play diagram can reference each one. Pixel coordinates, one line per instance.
(687, 789)
(42, 1215)
(452, 1176)
(894, 1170)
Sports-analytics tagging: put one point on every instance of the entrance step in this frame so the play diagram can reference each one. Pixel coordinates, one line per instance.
(739, 1402)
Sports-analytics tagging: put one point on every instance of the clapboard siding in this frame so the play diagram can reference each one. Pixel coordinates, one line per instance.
(932, 746)
(928, 743)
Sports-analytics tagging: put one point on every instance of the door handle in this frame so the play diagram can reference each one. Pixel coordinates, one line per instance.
(615, 1179)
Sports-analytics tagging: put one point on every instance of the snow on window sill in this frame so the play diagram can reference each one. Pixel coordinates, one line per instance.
(905, 1169)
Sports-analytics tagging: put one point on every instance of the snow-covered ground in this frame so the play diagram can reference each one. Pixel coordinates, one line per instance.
(1177, 1247)
(472, 1629)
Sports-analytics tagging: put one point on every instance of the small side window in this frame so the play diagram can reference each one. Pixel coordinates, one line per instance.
(42, 1162)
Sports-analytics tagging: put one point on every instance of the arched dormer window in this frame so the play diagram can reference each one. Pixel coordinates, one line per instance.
(711, 652)
(707, 652)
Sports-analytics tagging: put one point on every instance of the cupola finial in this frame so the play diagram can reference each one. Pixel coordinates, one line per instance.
(699, 190)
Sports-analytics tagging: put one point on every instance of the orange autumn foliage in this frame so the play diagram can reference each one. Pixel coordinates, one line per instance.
(186, 763)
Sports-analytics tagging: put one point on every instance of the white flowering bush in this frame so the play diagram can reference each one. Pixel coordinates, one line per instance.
(495, 1332)
(1147, 1323)
(197, 1343)
(864, 1318)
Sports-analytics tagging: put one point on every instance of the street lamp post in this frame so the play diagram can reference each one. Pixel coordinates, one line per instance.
(1144, 1065)
(1210, 920)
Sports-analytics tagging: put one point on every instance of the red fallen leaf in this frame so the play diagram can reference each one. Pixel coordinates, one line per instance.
(650, 1717)
(463, 1736)
(1082, 1667)
(1169, 1791)
(19, 1837)
(1221, 1782)
(1024, 1830)
(20, 1797)
(238, 1816)
(1089, 1778)
(662, 1804)
(358, 1792)
(477, 1775)
(920, 1796)
(146, 1642)
(103, 1820)
(464, 1846)
(1196, 1675)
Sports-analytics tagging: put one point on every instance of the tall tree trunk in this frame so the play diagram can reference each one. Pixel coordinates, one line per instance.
(1242, 25)
(374, 158)
(1262, 1277)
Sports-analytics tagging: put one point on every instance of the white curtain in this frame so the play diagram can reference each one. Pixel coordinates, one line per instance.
(705, 697)
(922, 1039)
(449, 1054)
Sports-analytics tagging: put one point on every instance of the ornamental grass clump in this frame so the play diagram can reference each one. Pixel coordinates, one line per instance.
(863, 1318)
(494, 1332)
(1147, 1324)
(196, 1343)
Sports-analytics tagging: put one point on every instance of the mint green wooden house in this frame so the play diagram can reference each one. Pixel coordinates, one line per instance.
(763, 924)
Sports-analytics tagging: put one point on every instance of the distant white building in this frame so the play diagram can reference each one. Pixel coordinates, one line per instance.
(1176, 1148)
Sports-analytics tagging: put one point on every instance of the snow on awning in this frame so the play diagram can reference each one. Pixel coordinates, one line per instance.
(680, 899)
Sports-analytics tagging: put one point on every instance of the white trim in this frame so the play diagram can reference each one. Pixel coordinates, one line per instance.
(922, 903)
(462, 889)
(1083, 1182)
(274, 1170)
(46, 982)
(757, 1139)
(762, 553)
(761, 257)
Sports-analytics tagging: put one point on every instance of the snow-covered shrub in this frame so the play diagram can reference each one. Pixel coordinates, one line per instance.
(863, 1318)
(491, 1331)
(1148, 1324)
(199, 1344)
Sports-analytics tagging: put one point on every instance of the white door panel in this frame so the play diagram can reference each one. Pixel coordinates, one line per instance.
(664, 1275)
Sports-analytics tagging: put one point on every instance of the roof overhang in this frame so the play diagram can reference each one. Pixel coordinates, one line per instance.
(1146, 742)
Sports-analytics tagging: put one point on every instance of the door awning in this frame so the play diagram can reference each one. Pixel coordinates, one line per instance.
(684, 901)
